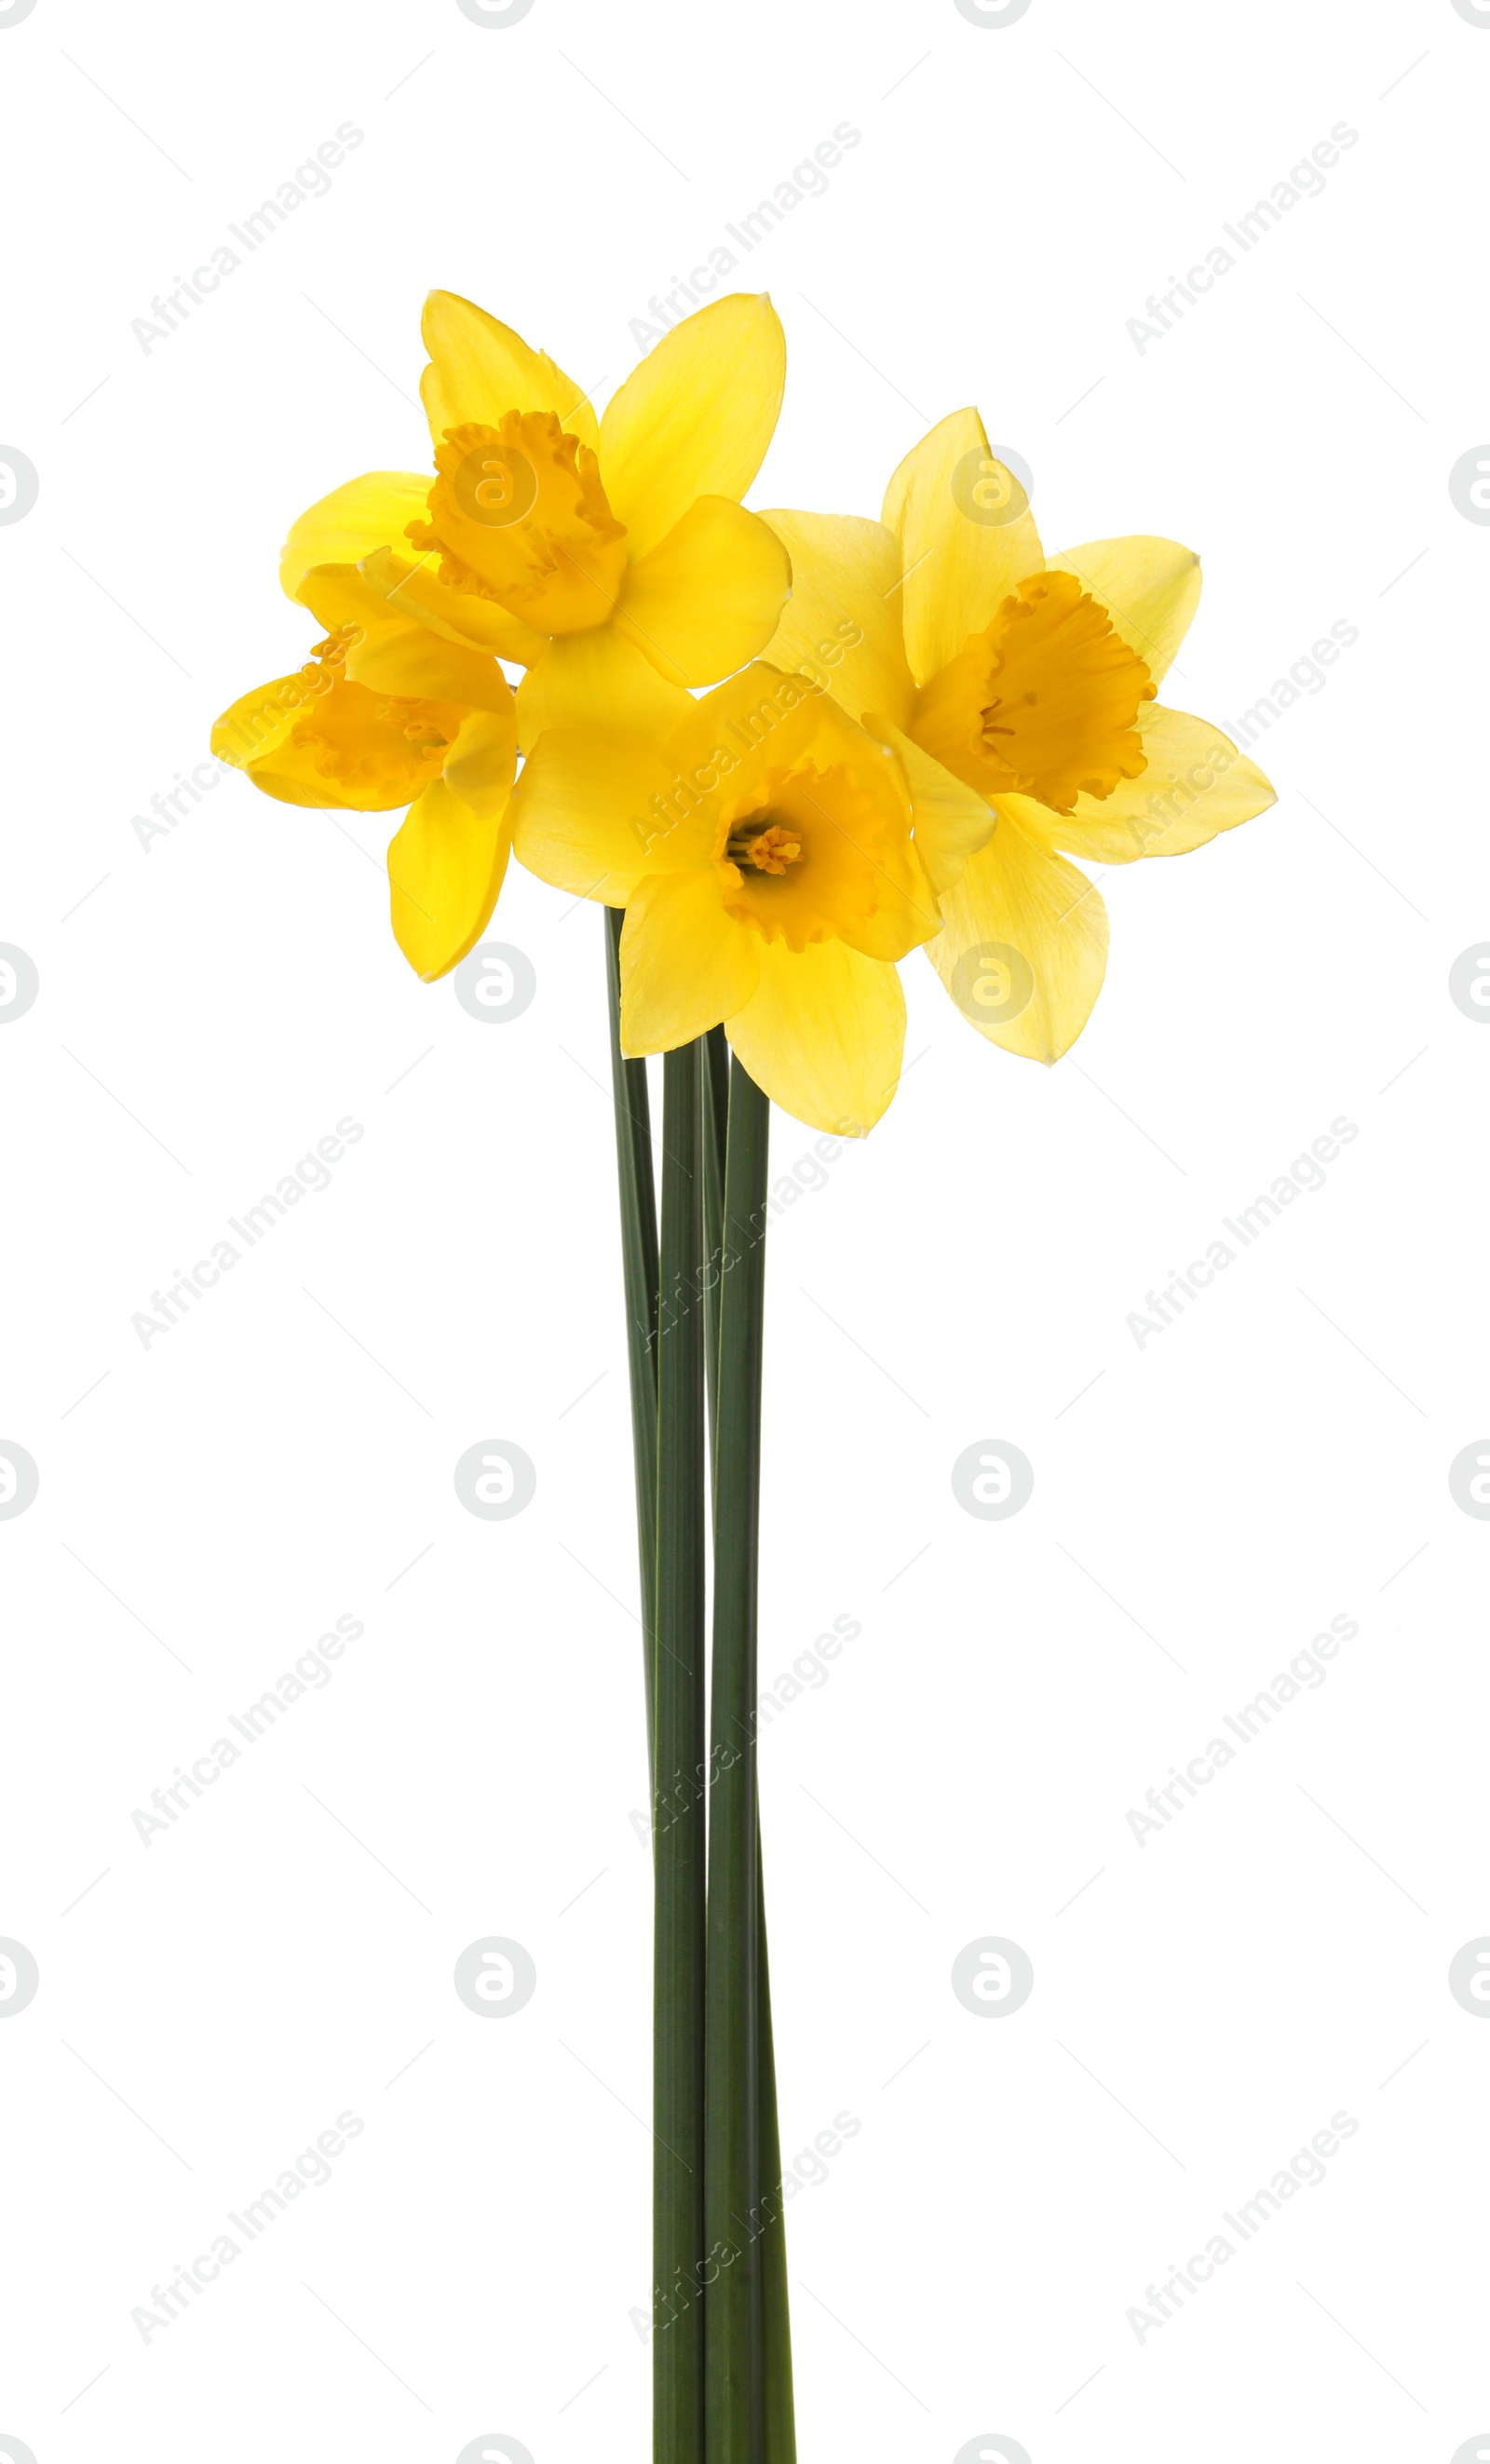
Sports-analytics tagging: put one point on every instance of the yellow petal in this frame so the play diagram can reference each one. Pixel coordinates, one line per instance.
(841, 625)
(372, 512)
(583, 812)
(596, 679)
(394, 653)
(415, 590)
(417, 665)
(1196, 785)
(703, 603)
(695, 418)
(480, 368)
(685, 964)
(255, 725)
(951, 820)
(962, 554)
(1026, 944)
(254, 734)
(482, 761)
(823, 1033)
(445, 868)
(1151, 588)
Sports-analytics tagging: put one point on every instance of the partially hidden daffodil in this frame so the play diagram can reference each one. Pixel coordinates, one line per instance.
(385, 713)
(1031, 680)
(774, 859)
(610, 557)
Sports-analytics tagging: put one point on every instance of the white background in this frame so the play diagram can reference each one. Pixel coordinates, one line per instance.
(1202, 1507)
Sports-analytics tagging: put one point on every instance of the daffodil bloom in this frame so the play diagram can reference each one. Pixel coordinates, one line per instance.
(611, 557)
(774, 860)
(385, 713)
(1032, 681)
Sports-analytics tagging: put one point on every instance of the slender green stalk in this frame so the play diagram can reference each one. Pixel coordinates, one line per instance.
(716, 1115)
(780, 2418)
(733, 2391)
(679, 1798)
(640, 1256)
(638, 1266)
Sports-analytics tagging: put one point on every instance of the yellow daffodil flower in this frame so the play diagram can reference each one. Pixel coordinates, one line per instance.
(605, 557)
(387, 712)
(1032, 680)
(774, 859)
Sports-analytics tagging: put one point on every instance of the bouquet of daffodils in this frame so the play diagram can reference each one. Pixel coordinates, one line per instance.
(783, 750)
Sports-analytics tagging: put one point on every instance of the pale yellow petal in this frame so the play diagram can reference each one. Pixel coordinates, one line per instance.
(841, 625)
(372, 512)
(480, 369)
(415, 590)
(695, 418)
(445, 870)
(587, 812)
(255, 735)
(415, 664)
(597, 679)
(1151, 588)
(255, 725)
(760, 721)
(483, 760)
(951, 820)
(393, 653)
(1196, 785)
(823, 1034)
(702, 603)
(685, 964)
(966, 535)
(1025, 946)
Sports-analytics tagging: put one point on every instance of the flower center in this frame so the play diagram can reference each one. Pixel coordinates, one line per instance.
(770, 850)
(1042, 702)
(518, 514)
(809, 856)
(380, 750)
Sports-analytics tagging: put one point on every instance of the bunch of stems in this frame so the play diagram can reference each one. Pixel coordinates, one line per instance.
(721, 2338)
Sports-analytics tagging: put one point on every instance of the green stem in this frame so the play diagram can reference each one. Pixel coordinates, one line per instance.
(678, 2161)
(716, 1115)
(733, 2392)
(638, 1266)
(779, 2422)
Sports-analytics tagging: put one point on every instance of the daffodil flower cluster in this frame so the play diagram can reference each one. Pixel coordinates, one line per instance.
(793, 747)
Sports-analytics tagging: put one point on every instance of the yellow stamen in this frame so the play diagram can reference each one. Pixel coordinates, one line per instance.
(770, 851)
